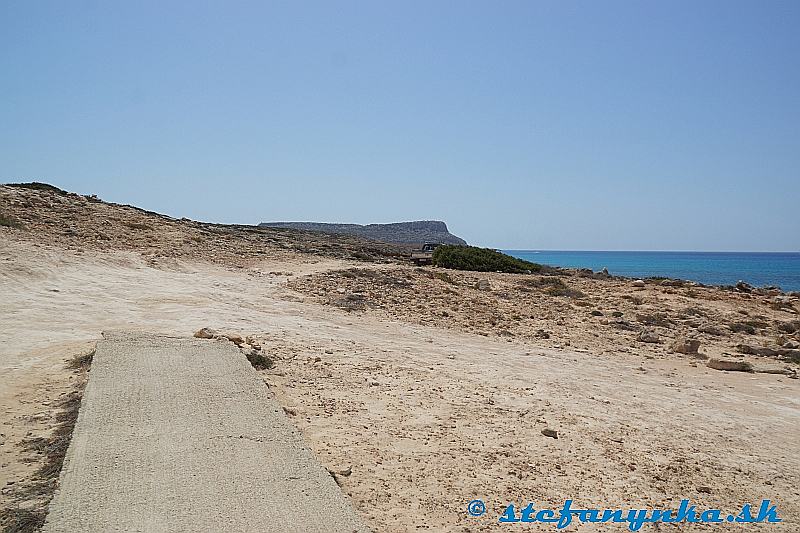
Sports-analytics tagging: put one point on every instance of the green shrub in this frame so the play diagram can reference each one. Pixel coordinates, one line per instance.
(480, 260)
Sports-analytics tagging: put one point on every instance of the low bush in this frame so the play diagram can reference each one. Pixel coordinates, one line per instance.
(553, 286)
(748, 326)
(481, 260)
(260, 361)
(654, 319)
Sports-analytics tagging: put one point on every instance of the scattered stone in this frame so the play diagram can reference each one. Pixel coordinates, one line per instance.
(757, 350)
(335, 476)
(206, 333)
(686, 346)
(730, 366)
(234, 338)
(704, 489)
(789, 327)
(649, 336)
(483, 285)
(595, 312)
(711, 329)
(603, 274)
(552, 433)
(741, 286)
(786, 371)
(639, 283)
(782, 303)
(624, 325)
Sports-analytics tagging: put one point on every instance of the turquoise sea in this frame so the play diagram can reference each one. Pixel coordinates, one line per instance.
(781, 269)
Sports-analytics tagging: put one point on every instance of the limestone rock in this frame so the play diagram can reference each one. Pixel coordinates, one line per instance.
(483, 285)
(236, 339)
(685, 345)
(206, 333)
(649, 336)
(730, 366)
(552, 433)
(711, 329)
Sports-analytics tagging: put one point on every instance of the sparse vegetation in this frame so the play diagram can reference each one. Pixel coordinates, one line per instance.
(481, 260)
(35, 185)
(695, 311)
(748, 326)
(654, 319)
(789, 327)
(259, 360)
(351, 302)
(552, 286)
(381, 276)
(27, 506)
(81, 362)
(635, 300)
(741, 327)
(9, 222)
(137, 226)
(441, 276)
(22, 520)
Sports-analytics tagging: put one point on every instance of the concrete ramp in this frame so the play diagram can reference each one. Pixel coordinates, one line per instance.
(180, 434)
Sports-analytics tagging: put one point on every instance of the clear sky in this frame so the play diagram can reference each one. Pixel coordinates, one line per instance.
(546, 125)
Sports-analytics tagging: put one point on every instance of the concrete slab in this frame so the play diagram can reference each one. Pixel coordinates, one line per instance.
(179, 434)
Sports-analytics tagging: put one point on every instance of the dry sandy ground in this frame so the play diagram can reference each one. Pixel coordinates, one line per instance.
(426, 418)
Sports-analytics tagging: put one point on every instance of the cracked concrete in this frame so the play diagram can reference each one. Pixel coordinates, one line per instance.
(179, 434)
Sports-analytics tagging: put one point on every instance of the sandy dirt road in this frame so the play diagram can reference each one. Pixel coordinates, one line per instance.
(182, 435)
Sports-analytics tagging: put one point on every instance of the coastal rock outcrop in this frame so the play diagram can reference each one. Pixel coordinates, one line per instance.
(417, 232)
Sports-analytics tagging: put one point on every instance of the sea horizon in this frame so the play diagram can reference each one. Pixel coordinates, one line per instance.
(779, 269)
(652, 251)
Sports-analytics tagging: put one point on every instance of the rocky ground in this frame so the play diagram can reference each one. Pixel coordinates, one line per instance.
(49, 216)
(569, 308)
(420, 389)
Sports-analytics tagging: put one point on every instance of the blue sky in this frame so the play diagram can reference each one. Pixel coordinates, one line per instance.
(552, 125)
